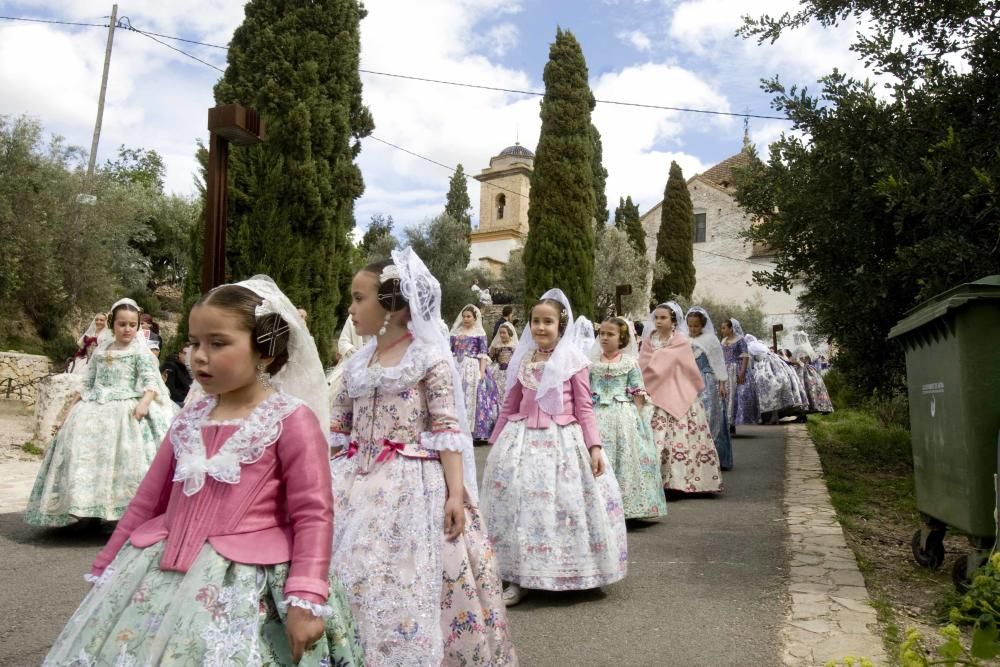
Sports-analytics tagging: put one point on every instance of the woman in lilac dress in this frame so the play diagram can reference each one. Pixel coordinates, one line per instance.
(471, 352)
(740, 405)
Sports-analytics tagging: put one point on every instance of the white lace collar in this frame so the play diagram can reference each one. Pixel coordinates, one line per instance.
(364, 377)
(258, 431)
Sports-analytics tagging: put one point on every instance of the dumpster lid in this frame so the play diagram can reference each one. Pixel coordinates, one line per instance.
(936, 306)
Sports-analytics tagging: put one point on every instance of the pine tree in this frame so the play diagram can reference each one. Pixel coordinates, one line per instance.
(292, 197)
(559, 251)
(458, 204)
(674, 241)
(627, 219)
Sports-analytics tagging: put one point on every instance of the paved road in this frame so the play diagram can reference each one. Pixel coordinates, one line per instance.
(706, 586)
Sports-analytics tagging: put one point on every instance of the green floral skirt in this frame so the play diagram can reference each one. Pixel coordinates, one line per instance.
(217, 613)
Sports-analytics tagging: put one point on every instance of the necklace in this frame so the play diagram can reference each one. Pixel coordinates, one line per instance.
(393, 344)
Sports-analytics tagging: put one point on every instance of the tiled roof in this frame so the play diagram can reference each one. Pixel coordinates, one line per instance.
(722, 173)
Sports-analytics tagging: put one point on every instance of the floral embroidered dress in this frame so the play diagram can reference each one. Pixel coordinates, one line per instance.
(626, 437)
(741, 408)
(498, 369)
(688, 459)
(98, 458)
(775, 390)
(230, 527)
(418, 599)
(815, 388)
(554, 525)
(715, 409)
(482, 399)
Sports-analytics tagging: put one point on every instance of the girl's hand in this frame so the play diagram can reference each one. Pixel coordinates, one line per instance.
(596, 461)
(639, 401)
(722, 389)
(141, 410)
(454, 517)
(741, 378)
(302, 630)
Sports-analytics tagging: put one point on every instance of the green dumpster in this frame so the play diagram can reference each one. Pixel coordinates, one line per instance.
(953, 379)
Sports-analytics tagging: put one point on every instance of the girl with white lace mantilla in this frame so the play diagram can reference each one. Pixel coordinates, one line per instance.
(409, 545)
(102, 451)
(223, 557)
(688, 460)
(551, 502)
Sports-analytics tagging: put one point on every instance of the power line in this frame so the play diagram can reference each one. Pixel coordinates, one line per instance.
(460, 84)
(536, 93)
(440, 164)
(32, 20)
(174, 48)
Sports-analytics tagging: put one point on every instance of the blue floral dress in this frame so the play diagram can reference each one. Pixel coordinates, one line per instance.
(626, 437)
(482, 398)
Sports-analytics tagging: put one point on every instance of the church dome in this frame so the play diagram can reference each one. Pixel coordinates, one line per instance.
(517, 150)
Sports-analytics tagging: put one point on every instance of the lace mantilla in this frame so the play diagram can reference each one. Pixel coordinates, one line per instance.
(362, 379)
(101, 580)
(258, 431)
(620, 367)
(317, 610)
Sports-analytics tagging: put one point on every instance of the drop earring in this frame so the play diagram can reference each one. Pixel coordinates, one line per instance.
(385, 324)
(263, 377)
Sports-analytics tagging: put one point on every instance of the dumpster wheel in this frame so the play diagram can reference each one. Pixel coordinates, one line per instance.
(961, 576)
(933, 555)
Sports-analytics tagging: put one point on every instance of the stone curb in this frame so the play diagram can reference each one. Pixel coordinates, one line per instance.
(830, 617)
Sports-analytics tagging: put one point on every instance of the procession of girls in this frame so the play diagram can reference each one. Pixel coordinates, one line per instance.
(226, 549)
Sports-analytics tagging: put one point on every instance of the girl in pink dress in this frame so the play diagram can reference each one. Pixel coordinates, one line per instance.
(409, 545)
(688, 460)
(551, 501)
(223, 556)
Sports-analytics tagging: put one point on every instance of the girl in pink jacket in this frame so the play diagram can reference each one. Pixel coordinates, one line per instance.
(223, 555)
(550, 499)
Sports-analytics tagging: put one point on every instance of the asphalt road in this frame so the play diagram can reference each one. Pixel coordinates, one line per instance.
(705, 585)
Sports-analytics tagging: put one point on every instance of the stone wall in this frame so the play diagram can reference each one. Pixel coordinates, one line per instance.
(22, 373)
(724, 263)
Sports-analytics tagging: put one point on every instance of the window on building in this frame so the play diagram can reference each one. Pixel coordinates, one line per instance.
(501, 204)
(699, 227)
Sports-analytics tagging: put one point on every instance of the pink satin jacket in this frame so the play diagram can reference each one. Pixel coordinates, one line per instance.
(521, 403)
(281, 509)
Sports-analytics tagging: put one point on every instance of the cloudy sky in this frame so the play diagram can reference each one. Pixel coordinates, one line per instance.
(680, 53)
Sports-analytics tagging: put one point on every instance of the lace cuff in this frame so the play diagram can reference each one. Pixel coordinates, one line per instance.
(338, 440)
(451, 441)
(317, 610)
(99, 580)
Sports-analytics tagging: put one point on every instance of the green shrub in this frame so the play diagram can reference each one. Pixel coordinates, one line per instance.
(60, 348)
(842, 393)
(981, 603)
(891, 409)
(148, 302)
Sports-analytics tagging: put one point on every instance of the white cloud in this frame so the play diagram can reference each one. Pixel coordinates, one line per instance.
(639, 144)
(501, 38)
(636, 38)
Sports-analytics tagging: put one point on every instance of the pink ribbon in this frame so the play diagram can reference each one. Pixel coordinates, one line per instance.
(389, 450)
(352, 448)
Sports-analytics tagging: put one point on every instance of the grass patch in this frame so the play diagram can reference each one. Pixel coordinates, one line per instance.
(33, 449)
(868, 466)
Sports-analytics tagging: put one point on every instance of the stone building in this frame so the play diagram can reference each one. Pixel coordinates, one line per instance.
(503, 208)
(724, 262)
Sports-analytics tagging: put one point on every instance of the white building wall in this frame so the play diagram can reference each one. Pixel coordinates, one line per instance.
(723, 263)
(498, 250)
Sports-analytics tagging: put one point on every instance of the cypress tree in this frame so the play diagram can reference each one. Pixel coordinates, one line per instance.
(600, 180)
(627, 219)
(674, 241)
(292, 197)
(559, 251)
(457, 204)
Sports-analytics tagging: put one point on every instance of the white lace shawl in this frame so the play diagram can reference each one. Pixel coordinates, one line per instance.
(258, 431)
(712, 348)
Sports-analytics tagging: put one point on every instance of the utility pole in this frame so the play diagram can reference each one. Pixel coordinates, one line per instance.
(104, 89)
